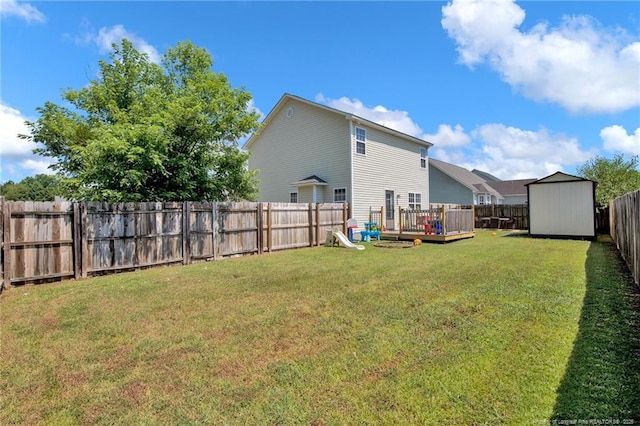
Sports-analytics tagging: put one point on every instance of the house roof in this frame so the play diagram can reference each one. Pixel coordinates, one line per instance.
(511, 187)
(347, 115)
(482, 187)
(311, 180)
(485, 175)
(465, 177)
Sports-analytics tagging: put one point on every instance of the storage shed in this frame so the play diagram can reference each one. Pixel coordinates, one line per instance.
(562, 205)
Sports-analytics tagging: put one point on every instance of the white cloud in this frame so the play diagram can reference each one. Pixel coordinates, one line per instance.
(515, 153)
(615, 138)
(18, 159)
(512, 153)
(394, 119)
(251, 107)
(107, 36)
(578, 64)
(455, 156)
(12, 125)
(539, 146)
(35, 167)
(21, 10)
(448, 137)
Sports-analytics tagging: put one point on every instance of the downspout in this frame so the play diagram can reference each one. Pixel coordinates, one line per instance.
(351, 148)
(428, 197)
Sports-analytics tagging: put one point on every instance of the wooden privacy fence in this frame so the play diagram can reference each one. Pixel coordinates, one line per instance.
(45, 241)
(517, 215)
(625, 229)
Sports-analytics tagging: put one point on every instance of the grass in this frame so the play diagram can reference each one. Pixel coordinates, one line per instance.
(602, 380)
(492, 330)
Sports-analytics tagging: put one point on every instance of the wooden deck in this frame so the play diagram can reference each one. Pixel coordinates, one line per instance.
(430, 238)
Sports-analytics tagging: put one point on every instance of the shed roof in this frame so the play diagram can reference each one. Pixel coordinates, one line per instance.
(560, 177)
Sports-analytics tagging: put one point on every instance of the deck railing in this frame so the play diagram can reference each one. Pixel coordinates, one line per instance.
(437, 220)
(375, 216)
(431, 221)
(458, 221)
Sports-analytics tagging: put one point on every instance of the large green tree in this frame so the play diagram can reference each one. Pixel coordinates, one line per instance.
(147, 132)
(615, 176)
(40, 187)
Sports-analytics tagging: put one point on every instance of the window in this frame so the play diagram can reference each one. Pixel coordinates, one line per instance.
(361, 141)
(481, 199)
(415, 201)
(293, 197)
(340, 195)
(423, 158)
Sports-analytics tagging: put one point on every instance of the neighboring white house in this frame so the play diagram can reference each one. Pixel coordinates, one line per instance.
(562, 205)
(307, 152)
(451, 184)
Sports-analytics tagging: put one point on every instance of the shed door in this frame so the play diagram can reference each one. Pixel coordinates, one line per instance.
(389, 210)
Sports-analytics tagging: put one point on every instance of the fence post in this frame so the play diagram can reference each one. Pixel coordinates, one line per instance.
(400, 220)
(318, 224)
(6, 243)
(612, 221)
(215, 231)
(269, 236)
(86, 259)
(345, 213)
(259, 226)
(444, 220)
(186, 234)
(1, 241)
(77, 242)
(310, 220)
(473, 218)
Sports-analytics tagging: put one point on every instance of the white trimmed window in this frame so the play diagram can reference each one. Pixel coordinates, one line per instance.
(293, 197)
(340, 195)
(423, 158)
(481, 199)
(361, 141)
(415, 201)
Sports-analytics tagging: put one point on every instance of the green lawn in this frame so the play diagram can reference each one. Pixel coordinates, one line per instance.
(495, 329)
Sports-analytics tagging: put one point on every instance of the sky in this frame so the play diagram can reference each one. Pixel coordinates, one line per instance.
(516, 89)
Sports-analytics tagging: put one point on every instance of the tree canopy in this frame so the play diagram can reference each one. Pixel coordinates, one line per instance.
(40, 187)
(615, 176)
(147, 132)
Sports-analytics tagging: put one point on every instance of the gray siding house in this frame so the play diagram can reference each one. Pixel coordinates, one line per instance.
(452, 184)
(307, 152)
(512, 191)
